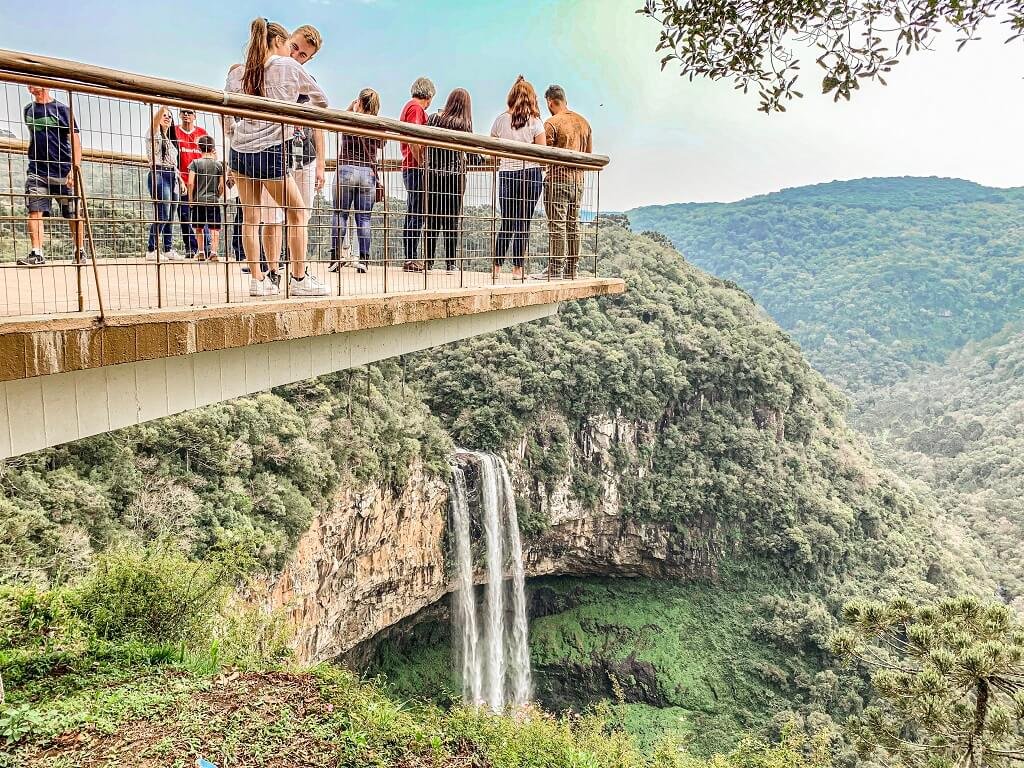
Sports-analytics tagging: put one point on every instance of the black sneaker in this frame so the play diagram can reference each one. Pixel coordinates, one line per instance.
(275, 278)
(34, 259)
(335, 266)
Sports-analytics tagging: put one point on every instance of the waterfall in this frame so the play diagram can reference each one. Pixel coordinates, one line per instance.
(519, 643)
(464, 613)
(494, 651)
(494, 635)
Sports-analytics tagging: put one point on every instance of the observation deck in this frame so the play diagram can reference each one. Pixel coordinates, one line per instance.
(118, 338)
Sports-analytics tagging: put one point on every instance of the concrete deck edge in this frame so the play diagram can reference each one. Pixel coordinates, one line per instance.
(43, 345)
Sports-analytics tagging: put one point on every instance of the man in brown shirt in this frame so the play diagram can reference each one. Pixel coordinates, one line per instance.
(563, 187)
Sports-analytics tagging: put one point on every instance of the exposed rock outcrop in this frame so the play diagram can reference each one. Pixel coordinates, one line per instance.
(374, 559)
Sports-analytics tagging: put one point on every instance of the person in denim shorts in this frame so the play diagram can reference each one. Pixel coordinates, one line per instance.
(54, 150)
(258, 155)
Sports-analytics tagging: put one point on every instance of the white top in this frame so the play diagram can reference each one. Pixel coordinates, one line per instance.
(502, 129)
(286, 80)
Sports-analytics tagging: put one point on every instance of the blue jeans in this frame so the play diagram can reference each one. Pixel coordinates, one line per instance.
(518, 193)
(355, 188)
(188, 233)
(162, 183)
(414, 212)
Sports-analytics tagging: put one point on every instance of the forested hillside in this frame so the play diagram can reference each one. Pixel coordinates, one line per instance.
(748, 451)
(880, 281)
(959, 427)
(872, 277)
(738, 444)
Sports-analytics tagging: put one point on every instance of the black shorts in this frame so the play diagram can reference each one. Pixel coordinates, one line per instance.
(206, 213)
(41, 192)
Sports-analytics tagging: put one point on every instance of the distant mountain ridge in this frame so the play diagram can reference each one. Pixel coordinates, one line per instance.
(890, 192)
(873, 277)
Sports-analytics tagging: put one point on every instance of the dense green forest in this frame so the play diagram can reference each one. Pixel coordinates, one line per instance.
(872, 277)
(745, 451)
(959, 427)
(907, 293)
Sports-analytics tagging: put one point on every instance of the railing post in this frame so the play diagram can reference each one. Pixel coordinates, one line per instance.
(424, 216)
(226, 230)
(387, 227)
(155, 226)
(287, 263)
(494, 216)
(459, 237)
(597, 215)
(76, 229)
(80, 191)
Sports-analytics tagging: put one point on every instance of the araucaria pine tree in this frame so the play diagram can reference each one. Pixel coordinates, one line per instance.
(949, 679)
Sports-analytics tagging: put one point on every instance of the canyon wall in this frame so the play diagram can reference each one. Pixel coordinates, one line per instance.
(377, 557)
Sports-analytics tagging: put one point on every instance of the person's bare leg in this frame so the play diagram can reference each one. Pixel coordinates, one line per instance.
(249, 197)
(214, 240)
(35, 230)
(271, 241)
(285, 193)
(77, 227)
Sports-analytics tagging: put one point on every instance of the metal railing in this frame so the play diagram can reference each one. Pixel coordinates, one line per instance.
(469, 221)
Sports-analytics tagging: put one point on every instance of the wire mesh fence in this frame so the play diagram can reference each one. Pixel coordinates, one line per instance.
(131, 232)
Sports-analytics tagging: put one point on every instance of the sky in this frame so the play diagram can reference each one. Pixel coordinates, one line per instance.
(669, 140)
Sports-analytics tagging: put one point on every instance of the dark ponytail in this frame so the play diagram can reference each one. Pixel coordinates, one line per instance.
(262, 34)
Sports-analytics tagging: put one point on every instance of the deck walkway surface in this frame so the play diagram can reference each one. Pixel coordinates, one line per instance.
(41, 333)
(134, 285)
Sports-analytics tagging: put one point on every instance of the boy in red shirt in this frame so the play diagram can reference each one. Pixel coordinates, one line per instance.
(186, 137)
(415, 111)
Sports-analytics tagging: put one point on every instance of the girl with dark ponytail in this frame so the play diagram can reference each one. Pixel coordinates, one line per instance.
(258, 155)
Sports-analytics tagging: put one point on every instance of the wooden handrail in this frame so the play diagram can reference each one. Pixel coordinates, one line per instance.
(32, 69)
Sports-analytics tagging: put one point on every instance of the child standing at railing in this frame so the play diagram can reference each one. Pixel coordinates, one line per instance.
(205, 190)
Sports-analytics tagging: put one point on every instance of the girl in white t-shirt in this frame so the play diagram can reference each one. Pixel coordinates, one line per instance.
(519, 181)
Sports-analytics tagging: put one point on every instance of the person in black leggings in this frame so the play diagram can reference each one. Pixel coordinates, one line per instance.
(519, 182)
(445, 182)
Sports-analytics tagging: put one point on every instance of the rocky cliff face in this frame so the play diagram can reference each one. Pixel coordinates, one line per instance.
(374, 558)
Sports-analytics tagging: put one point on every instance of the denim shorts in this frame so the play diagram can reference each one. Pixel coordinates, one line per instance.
(266, 164)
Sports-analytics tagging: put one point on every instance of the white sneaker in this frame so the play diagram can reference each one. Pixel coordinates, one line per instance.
(360, 267)
(264, 287)
(150, 255)
(307, 286)
(173, 255)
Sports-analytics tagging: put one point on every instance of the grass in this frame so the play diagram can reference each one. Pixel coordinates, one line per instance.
(110, 711)
(678, 659)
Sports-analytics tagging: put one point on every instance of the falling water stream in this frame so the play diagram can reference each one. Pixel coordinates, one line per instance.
(493, 646)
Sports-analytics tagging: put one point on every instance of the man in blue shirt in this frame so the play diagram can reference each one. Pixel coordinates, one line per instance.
(54, 150)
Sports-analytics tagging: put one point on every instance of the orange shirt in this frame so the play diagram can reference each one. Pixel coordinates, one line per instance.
(568, 130)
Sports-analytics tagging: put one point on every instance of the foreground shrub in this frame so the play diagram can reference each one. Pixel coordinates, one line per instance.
(152, 594)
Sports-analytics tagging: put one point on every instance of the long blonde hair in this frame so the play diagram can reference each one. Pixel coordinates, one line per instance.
(522, 102)
(262, 36)
(368, 102)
